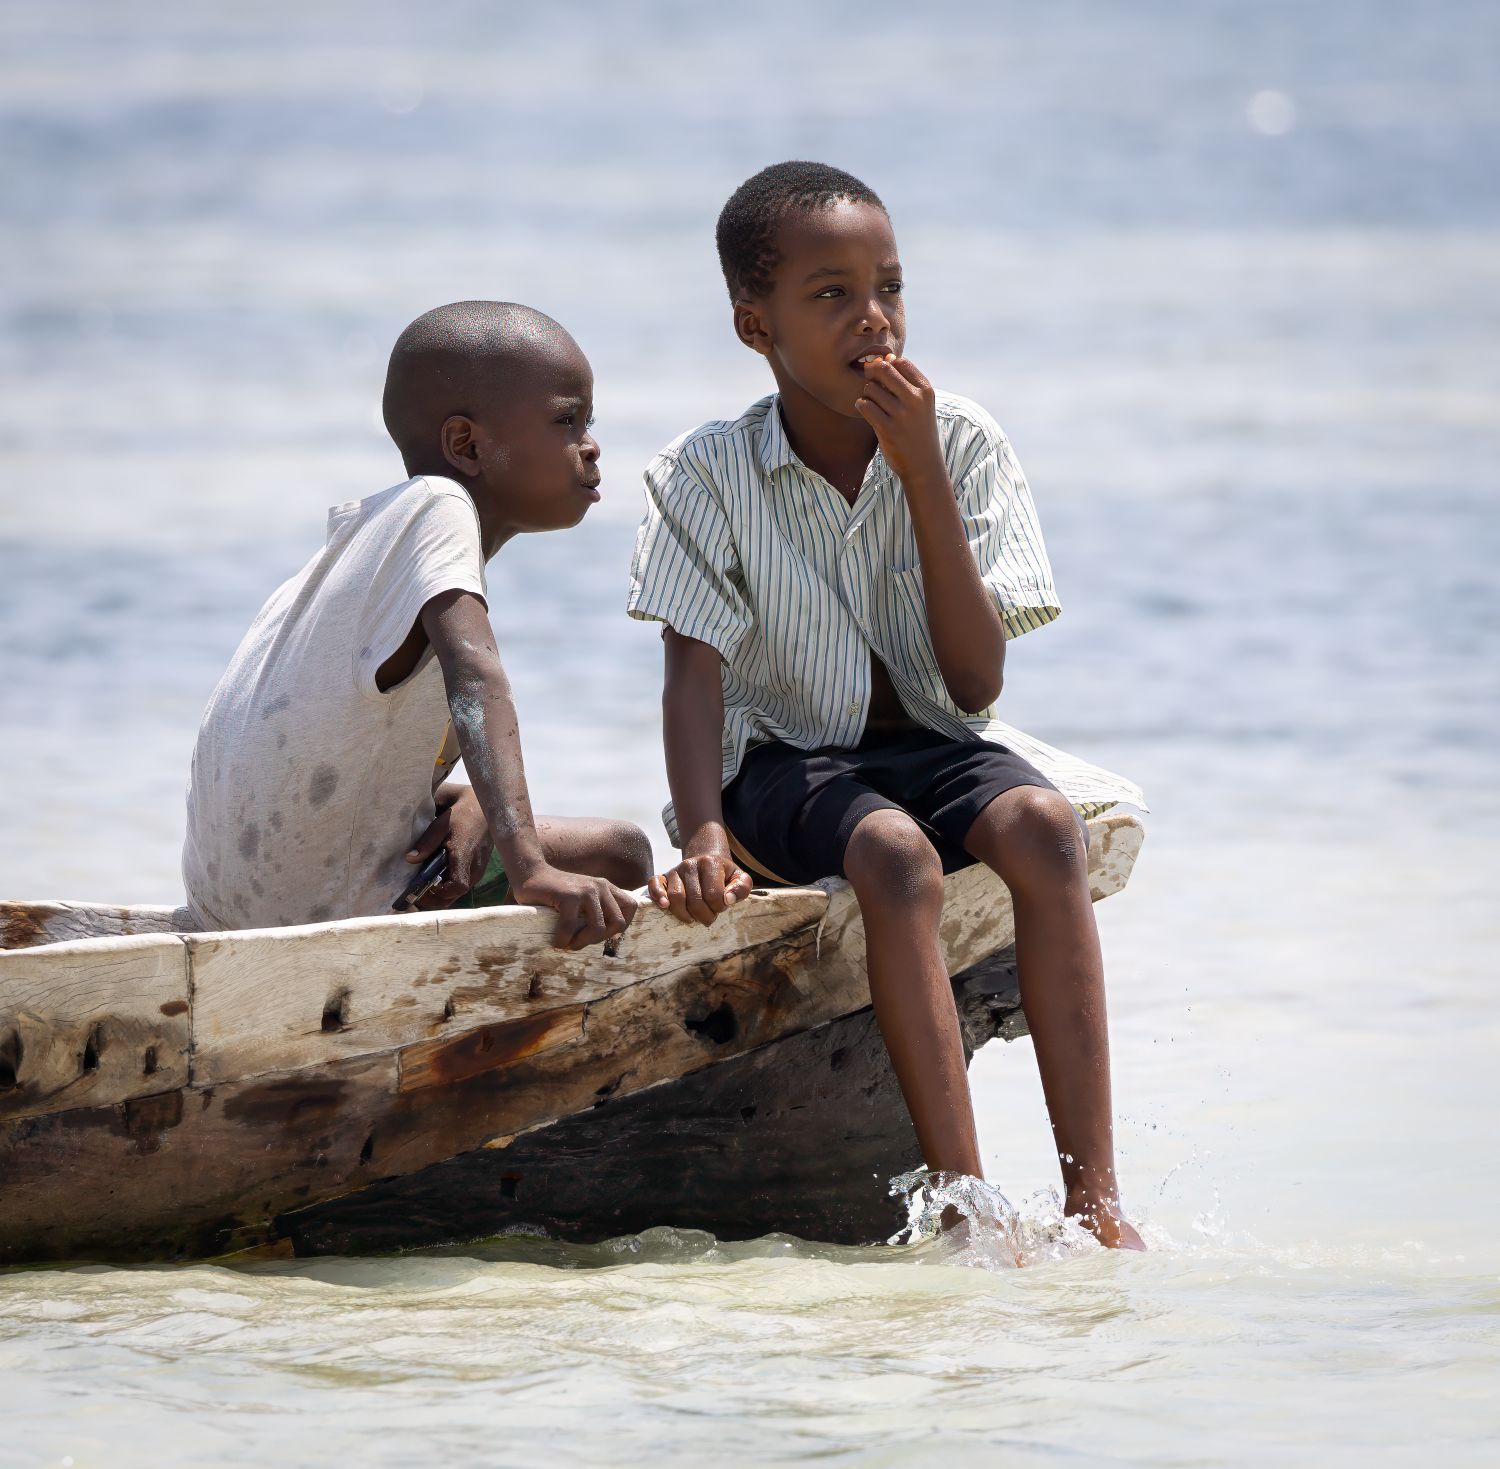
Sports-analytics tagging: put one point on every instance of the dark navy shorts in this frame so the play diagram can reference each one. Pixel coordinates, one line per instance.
(791, 812)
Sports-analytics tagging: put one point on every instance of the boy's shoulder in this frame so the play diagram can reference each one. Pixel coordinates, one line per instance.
(963, 416)
(698, 447)
(407, 498)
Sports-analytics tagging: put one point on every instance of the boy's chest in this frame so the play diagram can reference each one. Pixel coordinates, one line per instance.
(806, 534)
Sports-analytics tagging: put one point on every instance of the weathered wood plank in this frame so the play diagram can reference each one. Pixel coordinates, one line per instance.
(26, 925)
(437, 1063)
(286, 999)
(92, 1022)
(185, 1173)
(801, 1136)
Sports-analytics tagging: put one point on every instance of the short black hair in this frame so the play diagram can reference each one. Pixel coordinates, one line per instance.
(454, 359)
(746, 232)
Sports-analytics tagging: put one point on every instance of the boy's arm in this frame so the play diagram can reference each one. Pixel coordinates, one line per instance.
(484, 719)
(968, 636)
(707, 880)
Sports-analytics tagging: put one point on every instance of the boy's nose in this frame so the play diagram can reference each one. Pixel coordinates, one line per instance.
(875, 318)
(589, 448)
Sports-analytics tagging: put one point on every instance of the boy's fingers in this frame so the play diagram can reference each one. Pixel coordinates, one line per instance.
(677, 897)
(567, 923)
(870, 409)
(616, 920)
(431, 839)
(883, 394)
(693, 891)
(711, 885)
(627, 903)
(911, 372)
(591, 911)
(908, 388)
(739, 886)
(656, 890)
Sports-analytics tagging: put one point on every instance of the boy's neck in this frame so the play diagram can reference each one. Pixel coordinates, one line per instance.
(828, 443)
(494, 532)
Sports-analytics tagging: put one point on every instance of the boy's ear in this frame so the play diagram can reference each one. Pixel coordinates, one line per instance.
(750, 326)
(459, 448)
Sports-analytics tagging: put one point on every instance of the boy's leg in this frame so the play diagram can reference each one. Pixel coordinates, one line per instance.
(810, 814)
(898, 878)
(618, 851)
(1031, 837)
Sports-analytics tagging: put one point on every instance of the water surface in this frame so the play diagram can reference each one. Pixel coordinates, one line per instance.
(1229, 276)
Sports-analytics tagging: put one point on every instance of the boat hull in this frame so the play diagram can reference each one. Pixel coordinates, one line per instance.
(170, 1095)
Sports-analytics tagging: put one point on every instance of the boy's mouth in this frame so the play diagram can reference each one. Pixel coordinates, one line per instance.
(884, 355)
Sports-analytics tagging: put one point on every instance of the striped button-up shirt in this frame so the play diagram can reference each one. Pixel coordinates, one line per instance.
(747, 549)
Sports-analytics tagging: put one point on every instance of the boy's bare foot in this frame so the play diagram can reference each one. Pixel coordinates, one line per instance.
(1103, 1219)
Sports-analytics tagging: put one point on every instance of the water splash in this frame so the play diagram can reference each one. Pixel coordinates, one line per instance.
(990, 1233)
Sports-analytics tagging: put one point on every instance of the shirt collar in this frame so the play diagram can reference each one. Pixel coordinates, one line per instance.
(776, 450)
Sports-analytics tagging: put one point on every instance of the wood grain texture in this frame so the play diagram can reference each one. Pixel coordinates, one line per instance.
(25, 925)
(287, 999)
(92, 1022)
(185, 1173)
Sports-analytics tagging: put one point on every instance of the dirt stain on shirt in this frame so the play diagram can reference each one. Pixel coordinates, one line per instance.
(324, 782)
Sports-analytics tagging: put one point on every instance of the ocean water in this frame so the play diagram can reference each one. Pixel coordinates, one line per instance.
(1229, 275)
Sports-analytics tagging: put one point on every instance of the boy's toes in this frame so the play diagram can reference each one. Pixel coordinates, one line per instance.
(1108, 1225)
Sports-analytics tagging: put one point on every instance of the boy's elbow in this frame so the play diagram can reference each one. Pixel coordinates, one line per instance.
(974, 696)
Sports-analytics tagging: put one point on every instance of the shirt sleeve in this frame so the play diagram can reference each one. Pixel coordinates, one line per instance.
(1003, 533)
(437, 550)
(685, 570)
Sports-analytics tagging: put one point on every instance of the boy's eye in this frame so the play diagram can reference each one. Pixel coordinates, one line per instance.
(828, 293)
(894, 287)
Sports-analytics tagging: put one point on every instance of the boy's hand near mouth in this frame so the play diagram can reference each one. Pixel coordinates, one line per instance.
(900, 405)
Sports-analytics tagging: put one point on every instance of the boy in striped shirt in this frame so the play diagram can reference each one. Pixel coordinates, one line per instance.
(838, 570)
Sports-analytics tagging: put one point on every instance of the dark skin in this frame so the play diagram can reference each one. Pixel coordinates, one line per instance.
(530, 464)
(833, 330)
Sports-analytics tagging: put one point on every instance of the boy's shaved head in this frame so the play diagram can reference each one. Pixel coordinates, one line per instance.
(456, 359)
(746, 232)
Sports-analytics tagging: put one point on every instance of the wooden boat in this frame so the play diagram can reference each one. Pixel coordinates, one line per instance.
(379, 1083)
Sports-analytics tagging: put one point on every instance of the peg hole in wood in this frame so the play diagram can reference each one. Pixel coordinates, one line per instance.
(335, 1016)
(91, 1049)
(11, 1052)
(718, 1025)
(148, 1062)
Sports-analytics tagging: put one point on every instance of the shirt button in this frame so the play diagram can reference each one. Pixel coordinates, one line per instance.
(853, 708)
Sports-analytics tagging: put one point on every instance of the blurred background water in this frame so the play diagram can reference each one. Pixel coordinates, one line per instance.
(1229, 275)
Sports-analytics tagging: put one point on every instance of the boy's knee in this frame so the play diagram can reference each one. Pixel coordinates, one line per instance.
(626, 854)
(1047, 837)
(889, 859)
